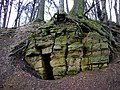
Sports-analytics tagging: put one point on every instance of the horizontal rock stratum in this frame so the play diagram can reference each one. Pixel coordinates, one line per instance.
(62, 49)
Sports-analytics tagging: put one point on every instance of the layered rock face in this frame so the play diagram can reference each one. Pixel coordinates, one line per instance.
(55, 51)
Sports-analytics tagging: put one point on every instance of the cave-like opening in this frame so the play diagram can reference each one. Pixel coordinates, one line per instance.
(48, 69)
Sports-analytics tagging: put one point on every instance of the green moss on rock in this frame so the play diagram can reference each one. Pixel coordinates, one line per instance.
(59, 71)
(68, 49)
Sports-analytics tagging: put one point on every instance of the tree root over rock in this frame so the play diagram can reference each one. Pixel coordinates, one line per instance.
(58, 49)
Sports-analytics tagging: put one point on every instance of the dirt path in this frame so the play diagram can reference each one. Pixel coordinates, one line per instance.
(102, 80)
(5, 66)
(14, 78)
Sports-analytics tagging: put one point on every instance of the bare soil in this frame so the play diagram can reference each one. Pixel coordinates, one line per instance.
(13, 77)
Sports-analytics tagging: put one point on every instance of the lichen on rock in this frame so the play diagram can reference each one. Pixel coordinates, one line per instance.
(61, 49)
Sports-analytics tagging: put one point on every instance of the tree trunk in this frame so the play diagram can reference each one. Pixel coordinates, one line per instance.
(67, 8)
(33, 11)
(104, 11)
(61, 6)
(5, 13)
(40, 15)
(116, 13)
(85, 7)
(119, 12)
(99, 12)
(95, 10)
(18, 14)
(78, 8)
(1, 5)
(110, 8)
(11, 2)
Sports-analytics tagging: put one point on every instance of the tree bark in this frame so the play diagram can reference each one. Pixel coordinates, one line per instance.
(40, 15)
(78, 8)
(119, 12)
(104, 11)
(110, 8)
(99, 12)
(5, 13)
(61, 6)
(18, 14)
(116, 13)
(67, 8)
(1, 5)
(95, 10)
(33, 11)
(11, 2)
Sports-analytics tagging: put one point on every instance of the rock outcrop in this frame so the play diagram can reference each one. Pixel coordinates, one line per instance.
(58, 50)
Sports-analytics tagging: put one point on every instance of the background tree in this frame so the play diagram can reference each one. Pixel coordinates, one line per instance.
(27, 11)
(104, 11)
(1, 5)
(61, 6)
(41, 9)
(78, 8)
(119, 12)
(116, 13)
(11, 3)
(67, 8)
(33, 11)
(110, 9)
(5, 6)
(18, 14)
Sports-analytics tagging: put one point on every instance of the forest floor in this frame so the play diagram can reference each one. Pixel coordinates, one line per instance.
(12, 77)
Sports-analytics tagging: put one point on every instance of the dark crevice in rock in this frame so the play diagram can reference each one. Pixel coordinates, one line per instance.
(66, 53)
(32, 55)
(85, 28)
(112, 54)
(54, 38)
(48, 69)
(84, 51)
